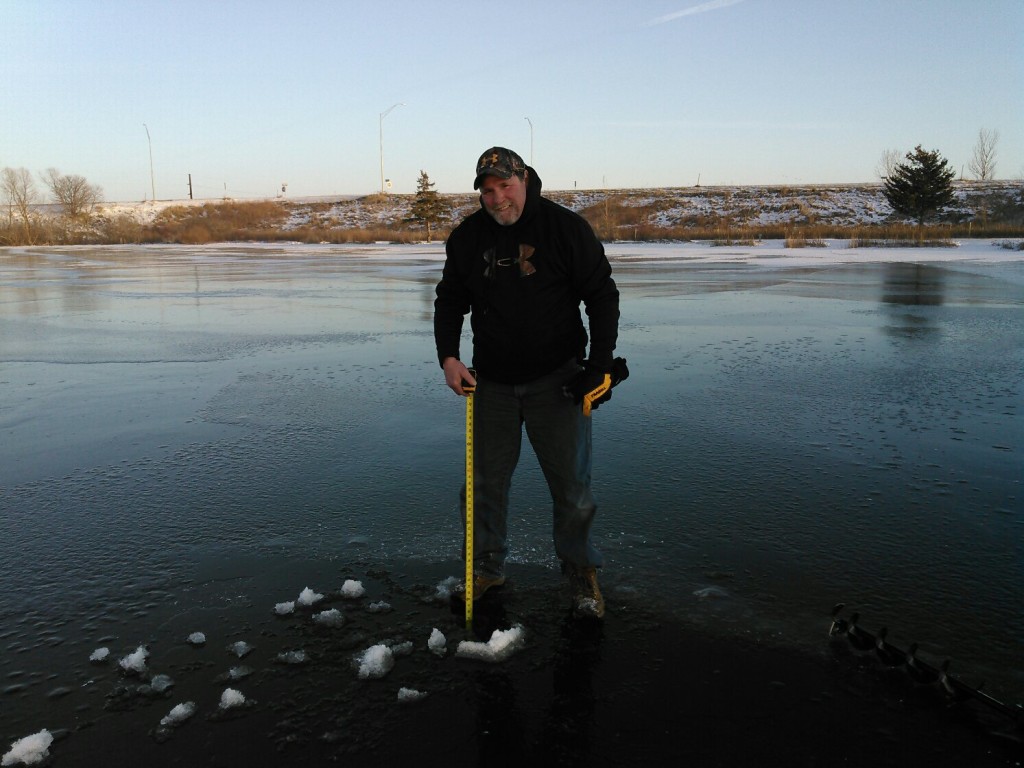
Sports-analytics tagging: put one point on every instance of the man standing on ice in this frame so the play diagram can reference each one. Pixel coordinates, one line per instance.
(522, 265)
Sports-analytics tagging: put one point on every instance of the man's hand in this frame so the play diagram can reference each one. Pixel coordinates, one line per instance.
(592, 386)
(455, 373)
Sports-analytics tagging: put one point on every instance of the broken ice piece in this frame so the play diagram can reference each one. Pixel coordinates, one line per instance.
(503, 643)
(293, 657)
(179, 714)
(231, 698)
(352, 588)
(410, 695)
(135, 661)
(437, 643)
(331, 618)
(376, 661)
(29, 750)
(241, 649)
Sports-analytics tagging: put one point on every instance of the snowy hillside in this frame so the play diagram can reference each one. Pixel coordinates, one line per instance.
(835, 205)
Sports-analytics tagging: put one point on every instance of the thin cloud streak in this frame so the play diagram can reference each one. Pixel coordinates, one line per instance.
(713, 5)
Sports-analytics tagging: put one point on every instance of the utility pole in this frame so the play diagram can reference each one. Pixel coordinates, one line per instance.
(190, 186)
(380, 127)
(152, 181)
(531, 138)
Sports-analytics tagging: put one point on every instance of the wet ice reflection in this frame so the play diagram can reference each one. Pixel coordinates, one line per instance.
(790, 437)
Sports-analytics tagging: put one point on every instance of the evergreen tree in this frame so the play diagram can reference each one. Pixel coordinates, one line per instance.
(428, 207)
(921, 186)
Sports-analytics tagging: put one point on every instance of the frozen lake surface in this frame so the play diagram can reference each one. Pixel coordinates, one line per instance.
(801, 428)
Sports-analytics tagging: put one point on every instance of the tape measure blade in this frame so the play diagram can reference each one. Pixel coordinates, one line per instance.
(469, 512)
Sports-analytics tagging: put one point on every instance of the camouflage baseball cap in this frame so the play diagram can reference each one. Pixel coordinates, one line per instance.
(498, 161)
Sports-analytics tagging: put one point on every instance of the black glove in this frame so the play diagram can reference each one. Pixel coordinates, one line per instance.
(592, 386)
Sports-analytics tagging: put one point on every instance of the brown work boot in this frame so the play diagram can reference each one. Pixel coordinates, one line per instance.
(481, 583)
(587, 602)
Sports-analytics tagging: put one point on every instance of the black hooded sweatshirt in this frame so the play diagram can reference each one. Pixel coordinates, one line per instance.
(524, 284)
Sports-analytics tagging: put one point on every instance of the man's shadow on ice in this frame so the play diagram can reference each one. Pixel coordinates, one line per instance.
(565, 735)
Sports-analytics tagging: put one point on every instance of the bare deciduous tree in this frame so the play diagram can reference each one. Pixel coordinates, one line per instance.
(72, 193)
(20, 193)
(888, 162)
(983, 161)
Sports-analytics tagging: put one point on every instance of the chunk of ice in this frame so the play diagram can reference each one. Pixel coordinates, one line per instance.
(293, 657)
(410, 695)
(100, 654)
(444, 588)
(197, 638)
(437, 643)
(503, 643)
(352, 588)
(231, 698)
(179, 714)
(710, 593)
(161, 683)
(375, 662)
(135, 661)
(283, 609)
(307, 597)
(29, 750)
(239, 673)
(331, 618)
(402, 649)
(241, 649)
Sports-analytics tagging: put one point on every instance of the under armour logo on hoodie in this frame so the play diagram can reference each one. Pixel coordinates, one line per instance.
(525, 253)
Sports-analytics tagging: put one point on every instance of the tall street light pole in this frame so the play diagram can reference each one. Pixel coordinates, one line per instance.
(531, 138)
(152, 181)
(380, 126)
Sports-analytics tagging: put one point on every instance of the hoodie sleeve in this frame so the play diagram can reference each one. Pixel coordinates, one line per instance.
(600, 296)
(453, 300)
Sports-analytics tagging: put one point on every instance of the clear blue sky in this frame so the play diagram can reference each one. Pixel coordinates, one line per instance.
(625, 93)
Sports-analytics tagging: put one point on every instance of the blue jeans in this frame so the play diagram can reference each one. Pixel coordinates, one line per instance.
(560, 436)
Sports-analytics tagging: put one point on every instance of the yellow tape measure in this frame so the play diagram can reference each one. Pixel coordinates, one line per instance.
(469, 389)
